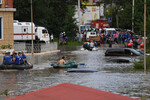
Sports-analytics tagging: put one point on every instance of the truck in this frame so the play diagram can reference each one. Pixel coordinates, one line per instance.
(92, 36)
(23, 33)
(100, 23)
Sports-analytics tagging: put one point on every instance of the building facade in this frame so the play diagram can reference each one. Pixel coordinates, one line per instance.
(92, 2)
(6, 23)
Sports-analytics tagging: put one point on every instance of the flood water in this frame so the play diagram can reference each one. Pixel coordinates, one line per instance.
(111, 77)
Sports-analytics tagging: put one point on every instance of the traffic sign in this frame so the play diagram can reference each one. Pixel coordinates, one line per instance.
(109, 19)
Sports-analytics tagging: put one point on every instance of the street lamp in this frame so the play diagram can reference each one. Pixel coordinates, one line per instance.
(133, 15)
(145, 36)
(32, 27)
(79, 18)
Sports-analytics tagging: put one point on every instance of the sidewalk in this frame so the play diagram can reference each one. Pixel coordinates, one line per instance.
(42, 53)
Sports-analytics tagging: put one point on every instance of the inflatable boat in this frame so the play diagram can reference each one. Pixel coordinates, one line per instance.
(18, 67)
(82, 70)
(92, 49)
(68, 65)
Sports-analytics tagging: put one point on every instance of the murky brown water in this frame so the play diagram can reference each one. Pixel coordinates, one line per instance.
(112, 77)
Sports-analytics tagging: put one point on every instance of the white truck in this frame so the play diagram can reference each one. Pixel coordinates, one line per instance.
(22, 32)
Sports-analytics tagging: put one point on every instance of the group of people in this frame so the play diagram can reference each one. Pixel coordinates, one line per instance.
(90, 45)
(118, 37)
(14, 58)
(63, 38)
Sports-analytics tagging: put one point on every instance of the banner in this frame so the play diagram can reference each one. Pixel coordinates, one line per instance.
(90, 13)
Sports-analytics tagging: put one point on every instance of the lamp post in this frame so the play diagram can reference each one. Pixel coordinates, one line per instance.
(145, 36)
(133, 15)
(79, 18)
(32, 27)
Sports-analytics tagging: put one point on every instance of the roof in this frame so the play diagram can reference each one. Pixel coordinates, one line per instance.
(68, 91)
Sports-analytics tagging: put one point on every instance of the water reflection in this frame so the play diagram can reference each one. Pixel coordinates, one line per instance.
(112, 77)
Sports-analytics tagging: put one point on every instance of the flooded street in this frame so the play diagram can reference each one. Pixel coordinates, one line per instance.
(111, 77)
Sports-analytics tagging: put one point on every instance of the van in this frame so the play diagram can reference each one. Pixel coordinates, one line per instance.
(107, 30)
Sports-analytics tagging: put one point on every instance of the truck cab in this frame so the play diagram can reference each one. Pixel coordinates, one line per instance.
(42, 34)
(90, 34)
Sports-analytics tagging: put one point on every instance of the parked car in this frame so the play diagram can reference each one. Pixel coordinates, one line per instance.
(122, 52)
(120, 60)
(142, 52)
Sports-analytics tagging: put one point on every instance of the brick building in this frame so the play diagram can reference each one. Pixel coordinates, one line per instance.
(6, 22)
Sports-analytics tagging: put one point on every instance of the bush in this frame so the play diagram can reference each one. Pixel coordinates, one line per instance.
(6, 46)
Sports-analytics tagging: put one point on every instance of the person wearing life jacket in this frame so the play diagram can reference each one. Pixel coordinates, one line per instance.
(102, 37)
(85, 45)
(23, 58)
(16, 59)
(7, 59)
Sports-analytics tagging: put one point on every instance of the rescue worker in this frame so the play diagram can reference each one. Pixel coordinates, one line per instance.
(23, 58)
(7, 59)
(16, 59)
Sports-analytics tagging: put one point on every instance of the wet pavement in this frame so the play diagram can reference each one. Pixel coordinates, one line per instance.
(112, 77)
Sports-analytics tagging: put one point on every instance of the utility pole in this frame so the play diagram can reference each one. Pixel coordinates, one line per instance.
(133, 15)
(145, 36)
(79, 19)
(32, 28)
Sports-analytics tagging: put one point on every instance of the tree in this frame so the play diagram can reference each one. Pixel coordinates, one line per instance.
(55, 15)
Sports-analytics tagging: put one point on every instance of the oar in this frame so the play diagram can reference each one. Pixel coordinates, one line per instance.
(82, 64)
(52, 64)
(78, 64)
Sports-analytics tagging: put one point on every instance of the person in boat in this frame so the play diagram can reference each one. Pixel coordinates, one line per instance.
(20, 58)
(7, 59)
(95, 43)
(91, 44)
(16, 59)
(12, 55)
(62, 61)
(23, 58)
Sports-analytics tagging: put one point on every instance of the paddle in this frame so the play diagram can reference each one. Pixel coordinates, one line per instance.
(82, 64)
(78, 64)
(52, 64)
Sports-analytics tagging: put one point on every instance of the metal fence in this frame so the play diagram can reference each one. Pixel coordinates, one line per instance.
(37, 48)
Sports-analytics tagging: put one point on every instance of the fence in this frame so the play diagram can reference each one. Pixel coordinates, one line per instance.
(37, 48)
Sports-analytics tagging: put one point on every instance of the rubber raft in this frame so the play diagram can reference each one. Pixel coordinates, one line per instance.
(18, 67)
(68, 65)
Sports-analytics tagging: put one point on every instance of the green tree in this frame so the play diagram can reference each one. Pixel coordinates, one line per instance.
(55, 15)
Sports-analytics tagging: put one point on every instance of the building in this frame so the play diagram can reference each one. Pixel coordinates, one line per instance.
(90, 2)
(6, 23)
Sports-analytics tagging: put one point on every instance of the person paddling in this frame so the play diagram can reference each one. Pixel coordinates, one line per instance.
(62, 61)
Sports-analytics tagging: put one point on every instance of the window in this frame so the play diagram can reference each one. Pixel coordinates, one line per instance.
(44, 31)
(0, 1)
(1, 29)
